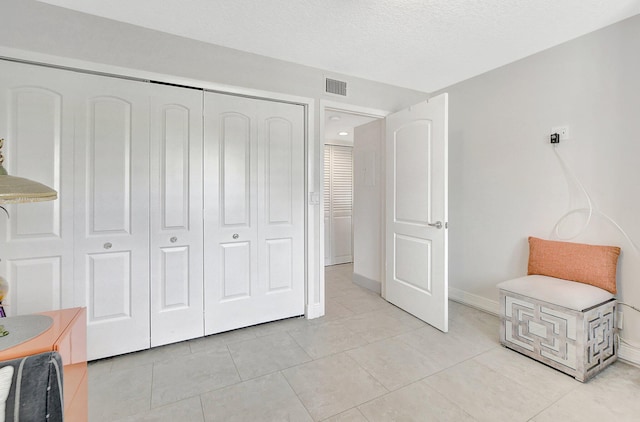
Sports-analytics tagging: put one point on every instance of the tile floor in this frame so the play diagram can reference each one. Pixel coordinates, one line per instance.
(366, 360)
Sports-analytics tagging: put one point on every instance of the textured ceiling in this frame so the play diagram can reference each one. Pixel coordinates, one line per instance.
(421, 44)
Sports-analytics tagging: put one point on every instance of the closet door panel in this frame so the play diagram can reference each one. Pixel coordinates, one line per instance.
(281, 208)
(109, 278)
(279, 275)
(235, 166)
(176, 215)
(327, 204)
(339, 200)
(36, 243)
(36, 285)
(230, 246)
(109, 165)
(254, 219)
(112, 213)
(37, 115)
(236, 271)
(174, 278)
(279, 170)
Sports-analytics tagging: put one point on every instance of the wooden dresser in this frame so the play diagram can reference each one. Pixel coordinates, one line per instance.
(67, 336)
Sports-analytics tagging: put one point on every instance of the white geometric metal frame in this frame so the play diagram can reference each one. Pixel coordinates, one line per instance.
(580, 344)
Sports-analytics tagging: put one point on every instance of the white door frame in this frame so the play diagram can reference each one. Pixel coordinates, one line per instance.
(314, 262)
(326, 105)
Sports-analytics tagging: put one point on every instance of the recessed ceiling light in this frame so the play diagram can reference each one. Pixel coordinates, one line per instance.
(343, 133)
(334, 118)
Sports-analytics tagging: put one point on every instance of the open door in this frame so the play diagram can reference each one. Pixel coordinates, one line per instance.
(416, 213)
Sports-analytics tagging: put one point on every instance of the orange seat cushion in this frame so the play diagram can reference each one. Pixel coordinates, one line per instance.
(590, 264)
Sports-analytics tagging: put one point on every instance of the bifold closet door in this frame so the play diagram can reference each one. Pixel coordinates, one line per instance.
(254, 211)
(112, 213)
(338, 204)
(176, 215)
(36, 243)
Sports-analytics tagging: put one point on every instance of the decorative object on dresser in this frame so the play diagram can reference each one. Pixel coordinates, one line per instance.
(568, 324)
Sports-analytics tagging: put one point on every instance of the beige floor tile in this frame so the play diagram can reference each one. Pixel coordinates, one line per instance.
(404, 317)
(613, 395)
(218, 342)
(339, 384)
(97, 368)
(283, 325)
(147, 357)
(190, 375)
(332, 312)
(352, 415)
(527, 372)
(121, 393)
(416, 402)
(361, 301)
(267, 354)
(450, 348)
(375, 326)
(326, 339)
(485, 394)
(268, 398)
(189, 410)
(393, 363)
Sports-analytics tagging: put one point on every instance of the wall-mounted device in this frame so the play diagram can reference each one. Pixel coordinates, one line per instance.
(555, 138)
(563, 131)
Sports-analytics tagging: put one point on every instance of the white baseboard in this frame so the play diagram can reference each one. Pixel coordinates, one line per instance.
(475, 301)
(315, 311)
(367, 283)
(629, 354)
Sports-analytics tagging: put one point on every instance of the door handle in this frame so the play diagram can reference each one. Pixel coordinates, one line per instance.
(437, 224)
(235, 236)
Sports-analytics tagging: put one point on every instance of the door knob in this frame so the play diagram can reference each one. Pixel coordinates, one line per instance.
(108, 245)
(173, 239)
(235, 235)
(437, 224)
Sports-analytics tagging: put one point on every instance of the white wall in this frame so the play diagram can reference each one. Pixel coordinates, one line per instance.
(506, 183)
(368, 199)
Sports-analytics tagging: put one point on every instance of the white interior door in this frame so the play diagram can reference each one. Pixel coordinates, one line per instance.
(176, 215)
(254, 211)
(112, 213)
(416, 214)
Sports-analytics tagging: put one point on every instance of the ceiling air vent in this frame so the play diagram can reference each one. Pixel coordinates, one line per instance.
(333, 86)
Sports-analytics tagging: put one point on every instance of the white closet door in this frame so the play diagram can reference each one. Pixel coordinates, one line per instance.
(341, 204)
(280, 211)
(112, 213)
(176, 215)
(254, 211)
(36, 243)
(327, 205)
(338, 204)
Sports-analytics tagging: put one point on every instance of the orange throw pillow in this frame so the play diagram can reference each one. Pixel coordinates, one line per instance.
(589, 264)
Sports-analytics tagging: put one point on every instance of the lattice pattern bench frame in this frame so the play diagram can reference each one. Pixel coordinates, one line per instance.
(580, 344)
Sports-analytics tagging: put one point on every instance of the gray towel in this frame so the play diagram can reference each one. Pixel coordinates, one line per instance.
(36, 390)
